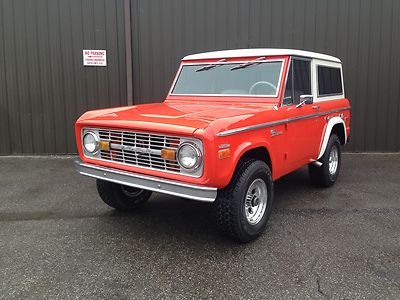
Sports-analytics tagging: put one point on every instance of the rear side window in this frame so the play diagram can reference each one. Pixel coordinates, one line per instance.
(329, 81)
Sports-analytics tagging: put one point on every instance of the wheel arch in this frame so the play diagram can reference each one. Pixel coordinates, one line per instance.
(258, 152)
(335, 125)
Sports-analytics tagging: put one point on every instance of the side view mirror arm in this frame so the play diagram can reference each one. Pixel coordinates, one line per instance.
(305, 99)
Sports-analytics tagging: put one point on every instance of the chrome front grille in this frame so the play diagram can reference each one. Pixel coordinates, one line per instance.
(139, 149)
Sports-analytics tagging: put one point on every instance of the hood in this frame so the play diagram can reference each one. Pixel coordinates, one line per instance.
(182, 117)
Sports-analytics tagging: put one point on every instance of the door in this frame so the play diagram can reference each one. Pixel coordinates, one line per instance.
(303, 119)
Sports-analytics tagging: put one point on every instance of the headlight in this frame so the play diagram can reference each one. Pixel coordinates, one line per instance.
(91, 142)
(188, 156)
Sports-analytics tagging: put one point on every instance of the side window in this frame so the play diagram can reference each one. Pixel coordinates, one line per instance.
(288, 96)
(298, 82)
(302, 79)
(329, 81)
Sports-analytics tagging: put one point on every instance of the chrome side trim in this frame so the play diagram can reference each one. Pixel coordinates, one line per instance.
(146, 182)
(275, 123)
(253, 127)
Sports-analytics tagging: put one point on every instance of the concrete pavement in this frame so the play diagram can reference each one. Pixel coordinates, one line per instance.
(58, 239)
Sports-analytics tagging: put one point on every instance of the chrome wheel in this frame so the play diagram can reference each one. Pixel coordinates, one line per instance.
(256, 201)
(333, 160)
(131, 191)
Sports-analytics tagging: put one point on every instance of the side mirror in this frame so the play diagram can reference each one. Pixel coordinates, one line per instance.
(305, 99)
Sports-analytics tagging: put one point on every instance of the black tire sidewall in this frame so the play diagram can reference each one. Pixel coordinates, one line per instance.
(112, 195)
(256, 170)
(130, 201)
(333, 141)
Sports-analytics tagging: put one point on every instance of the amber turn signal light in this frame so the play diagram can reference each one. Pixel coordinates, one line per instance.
(104, 145)
(224, 153)
(168, 154)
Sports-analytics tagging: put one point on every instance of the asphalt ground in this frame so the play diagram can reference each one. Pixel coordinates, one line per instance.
(59, 241)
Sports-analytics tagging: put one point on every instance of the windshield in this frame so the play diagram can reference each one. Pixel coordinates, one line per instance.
(250, 78)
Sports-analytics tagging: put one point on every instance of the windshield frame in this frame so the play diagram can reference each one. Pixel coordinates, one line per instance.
(202, 63)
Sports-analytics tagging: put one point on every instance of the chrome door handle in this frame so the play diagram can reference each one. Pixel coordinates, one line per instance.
(315, 107)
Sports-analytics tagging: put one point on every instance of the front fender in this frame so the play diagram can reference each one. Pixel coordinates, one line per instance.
(239, 145)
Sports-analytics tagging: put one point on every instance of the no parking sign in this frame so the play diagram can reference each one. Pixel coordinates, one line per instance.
(96, 58)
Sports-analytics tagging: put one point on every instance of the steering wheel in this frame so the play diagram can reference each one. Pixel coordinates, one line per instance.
(261, 82)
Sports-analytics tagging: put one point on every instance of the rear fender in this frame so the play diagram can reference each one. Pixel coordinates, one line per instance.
(328, 130)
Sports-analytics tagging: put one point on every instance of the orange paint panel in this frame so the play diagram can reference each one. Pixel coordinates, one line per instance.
(203, 117)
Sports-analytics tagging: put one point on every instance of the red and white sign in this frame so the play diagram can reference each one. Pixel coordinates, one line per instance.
(97, 58)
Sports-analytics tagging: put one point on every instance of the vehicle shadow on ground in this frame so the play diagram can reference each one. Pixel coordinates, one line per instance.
(179, 219)
(289, 187)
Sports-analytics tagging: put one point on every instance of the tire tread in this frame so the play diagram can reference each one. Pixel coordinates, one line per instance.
(111, 194)
(320, 175)
(227, 209)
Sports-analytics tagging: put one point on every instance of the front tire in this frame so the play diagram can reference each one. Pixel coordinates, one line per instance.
(122, 197)
(327, 174)
(244, 206)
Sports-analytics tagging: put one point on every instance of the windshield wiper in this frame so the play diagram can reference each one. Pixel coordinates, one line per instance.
(247, 64)
(210, 66)
(206, 68)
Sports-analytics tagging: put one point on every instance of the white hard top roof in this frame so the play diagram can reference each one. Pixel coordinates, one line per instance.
(259, 52)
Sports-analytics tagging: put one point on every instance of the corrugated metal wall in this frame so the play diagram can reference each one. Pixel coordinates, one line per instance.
(165, 31)
(365, 34)
(43, 84)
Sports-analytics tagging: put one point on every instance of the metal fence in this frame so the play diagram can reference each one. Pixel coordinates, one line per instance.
(44, 87)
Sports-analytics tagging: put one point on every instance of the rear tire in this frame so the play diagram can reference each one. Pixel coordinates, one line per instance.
(122, 197)
(244, 206)
(327, 174)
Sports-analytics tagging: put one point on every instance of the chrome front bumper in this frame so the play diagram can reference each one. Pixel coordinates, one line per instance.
(146, 182)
